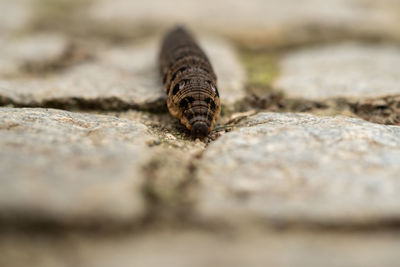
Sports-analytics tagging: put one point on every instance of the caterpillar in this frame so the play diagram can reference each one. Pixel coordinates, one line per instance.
(189, 82)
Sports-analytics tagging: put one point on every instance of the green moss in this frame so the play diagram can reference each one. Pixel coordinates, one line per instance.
(262, 67)
(58, 8)
(57, 14)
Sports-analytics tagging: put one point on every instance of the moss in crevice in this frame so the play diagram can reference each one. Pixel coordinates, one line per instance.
(170, 186)
(262, 69)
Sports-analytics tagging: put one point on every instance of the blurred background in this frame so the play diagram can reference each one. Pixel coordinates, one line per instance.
(255, 24)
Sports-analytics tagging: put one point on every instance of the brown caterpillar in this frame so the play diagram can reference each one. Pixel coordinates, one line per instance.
(190, 83)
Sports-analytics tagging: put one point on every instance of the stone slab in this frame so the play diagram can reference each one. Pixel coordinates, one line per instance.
(19, 53)
(303, 169)
(349, 70)
(68, 167)
(183, 248)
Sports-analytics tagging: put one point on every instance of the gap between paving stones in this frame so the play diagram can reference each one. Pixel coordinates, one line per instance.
(381, 110)
(80, 104)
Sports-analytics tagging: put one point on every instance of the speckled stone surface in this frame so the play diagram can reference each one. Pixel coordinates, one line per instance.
(70, 167)
(299, 168)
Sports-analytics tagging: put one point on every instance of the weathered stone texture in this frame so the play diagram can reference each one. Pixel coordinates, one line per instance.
(69, 167)
(298, 168)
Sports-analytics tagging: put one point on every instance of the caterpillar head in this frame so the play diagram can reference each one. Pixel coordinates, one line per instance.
(199, 130)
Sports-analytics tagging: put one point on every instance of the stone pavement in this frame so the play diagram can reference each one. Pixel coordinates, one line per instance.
(302, 168)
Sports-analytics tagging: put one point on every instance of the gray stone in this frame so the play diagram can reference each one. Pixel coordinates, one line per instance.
(15, 15)
(182, 247)
(70, 167)
(258, 22)
(17, 53)
(120, 77)
(98, 85)
(299, 168)
(347, 70)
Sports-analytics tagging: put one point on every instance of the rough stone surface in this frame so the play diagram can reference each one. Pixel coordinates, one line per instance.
(347, 70)
(119, 77)
(260, 22)
(69, 167)
(17, 53)
(300, 168)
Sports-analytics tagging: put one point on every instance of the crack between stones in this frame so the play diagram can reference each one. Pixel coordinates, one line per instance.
(81, 104)
(381, 110)
(170, 193)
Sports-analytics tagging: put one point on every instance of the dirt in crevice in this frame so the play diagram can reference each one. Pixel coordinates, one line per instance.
(95, 104)
(170, 187)
(385, 110)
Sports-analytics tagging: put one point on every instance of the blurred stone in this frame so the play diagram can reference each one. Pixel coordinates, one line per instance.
(120, 78)
(15, 15)
(303, 169)
(200, 248)
(259, 23)
(348, 70)
(20, 53)
(65, 167)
